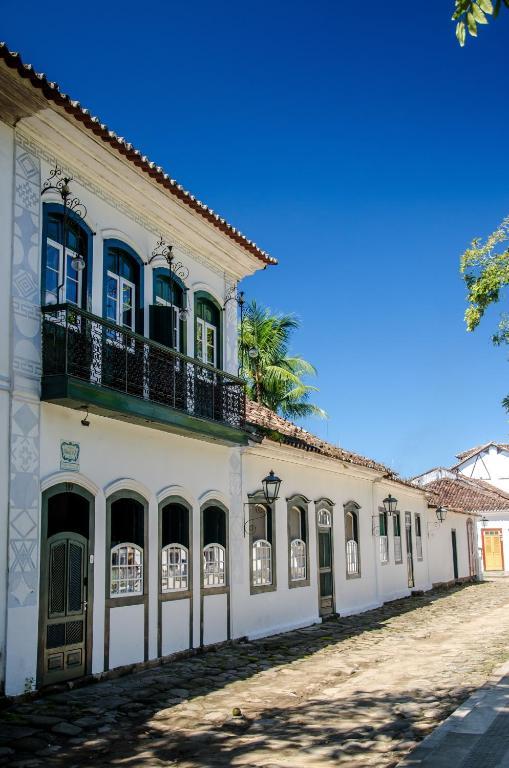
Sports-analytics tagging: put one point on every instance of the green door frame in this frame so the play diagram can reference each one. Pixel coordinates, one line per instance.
(55, 490)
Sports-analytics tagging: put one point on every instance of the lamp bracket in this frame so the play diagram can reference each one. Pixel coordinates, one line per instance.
(164, 250)
(57, 182)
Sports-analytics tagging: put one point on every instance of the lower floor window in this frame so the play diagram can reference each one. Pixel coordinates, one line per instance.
(352, 557)
(174, 568)
(297, 560)
(213, 566)
(384, 549)
(262, 563)
(126, 570)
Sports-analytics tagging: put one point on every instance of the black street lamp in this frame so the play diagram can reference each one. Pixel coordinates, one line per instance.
(441, 514)
(390, 504)
(271, 485)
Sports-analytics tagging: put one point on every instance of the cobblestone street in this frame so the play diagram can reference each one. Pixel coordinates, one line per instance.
(357, 691)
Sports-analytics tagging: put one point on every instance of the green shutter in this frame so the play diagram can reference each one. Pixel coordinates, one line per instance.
(161, 324)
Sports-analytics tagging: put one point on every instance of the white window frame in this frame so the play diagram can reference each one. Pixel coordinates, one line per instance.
(298, 560)
(62, 273)
(352, 558)
(121, 282)
(204, 326)
(121, 573)
(398, 548)
(261, 553)
(214, 568)
(176, 320)
(174, 575)
(324, 518)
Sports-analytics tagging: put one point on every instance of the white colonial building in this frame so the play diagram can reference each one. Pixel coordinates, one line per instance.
(133, 523)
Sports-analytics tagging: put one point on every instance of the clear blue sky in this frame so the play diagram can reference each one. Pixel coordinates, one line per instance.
(354, 141)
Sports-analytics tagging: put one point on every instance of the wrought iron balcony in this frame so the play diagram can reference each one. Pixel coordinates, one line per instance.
(90, 361)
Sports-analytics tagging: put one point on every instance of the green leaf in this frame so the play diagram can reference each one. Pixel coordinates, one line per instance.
(486, 6)
(460, 32)
(472, 26)
(478, 14)
(506, 3)
(497, 8)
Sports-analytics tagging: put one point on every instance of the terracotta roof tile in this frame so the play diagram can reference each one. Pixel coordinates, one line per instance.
(468, 495)
(290, 434)
(52, 93)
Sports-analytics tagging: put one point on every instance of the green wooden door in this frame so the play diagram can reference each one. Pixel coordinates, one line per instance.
(65, 596)
(325, 571)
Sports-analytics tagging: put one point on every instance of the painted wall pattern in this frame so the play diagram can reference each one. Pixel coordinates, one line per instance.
(26, 371)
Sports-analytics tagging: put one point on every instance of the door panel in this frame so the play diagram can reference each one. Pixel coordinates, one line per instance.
(492, 550)
(325, 572)
(409, 549)
(65, 617)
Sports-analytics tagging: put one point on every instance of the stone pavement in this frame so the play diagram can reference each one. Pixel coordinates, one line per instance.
(475, 736)
(356, 691)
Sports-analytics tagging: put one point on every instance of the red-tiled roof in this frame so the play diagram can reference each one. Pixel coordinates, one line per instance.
(286, 432)
(468, 495)
(52, 93)
(472, 451)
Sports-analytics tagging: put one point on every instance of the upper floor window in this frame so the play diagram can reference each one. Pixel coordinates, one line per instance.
(62, 281)
(352, 539)
(208, 330)
(122, 286)
(167, 327)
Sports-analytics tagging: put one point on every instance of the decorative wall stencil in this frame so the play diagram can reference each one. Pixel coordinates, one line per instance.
(69, 455)
(26, 371)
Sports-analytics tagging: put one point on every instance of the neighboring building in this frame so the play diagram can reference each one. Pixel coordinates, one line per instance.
(132, 520)
(465, 486)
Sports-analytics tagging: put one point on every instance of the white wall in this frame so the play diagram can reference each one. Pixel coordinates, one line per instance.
(440, 546)
(491, 465)
(6, 188)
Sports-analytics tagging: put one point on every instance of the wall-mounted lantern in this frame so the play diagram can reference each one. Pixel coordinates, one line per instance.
(390, 504)
(441, 514)
(271, 485)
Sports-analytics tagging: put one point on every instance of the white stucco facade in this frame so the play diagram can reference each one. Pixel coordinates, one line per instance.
(64, 475)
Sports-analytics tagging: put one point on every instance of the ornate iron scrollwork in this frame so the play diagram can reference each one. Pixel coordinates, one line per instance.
(164, 250)
(59, 183)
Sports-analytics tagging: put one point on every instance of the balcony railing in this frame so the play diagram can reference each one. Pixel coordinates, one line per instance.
(86, 347)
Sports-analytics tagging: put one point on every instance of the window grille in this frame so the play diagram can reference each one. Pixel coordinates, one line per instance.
(324, 518)
(384, 549)
(174, 568)
(262, 563)
(126, 570)
(214, 574)
(352, 557)
(297, 560)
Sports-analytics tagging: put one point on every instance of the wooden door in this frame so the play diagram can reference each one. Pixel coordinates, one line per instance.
(492, 549)
(64, 609)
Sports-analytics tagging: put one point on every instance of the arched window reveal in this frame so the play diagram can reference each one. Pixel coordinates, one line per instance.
(260, 537)
(214, 547)
(175, 560)
(127, 536)
(61, 280)
(208, 331)
(352, 539)
(297, 529)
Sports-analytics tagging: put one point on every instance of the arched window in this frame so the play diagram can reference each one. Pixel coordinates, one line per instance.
(126, 570)
(261, 544)
(166, 325)
(127, 537)
(60, 281)
(324, 518)
(214, 547)
(175, 560)
(352, 539)
(122, 286)
(208, 330)
(297, 539)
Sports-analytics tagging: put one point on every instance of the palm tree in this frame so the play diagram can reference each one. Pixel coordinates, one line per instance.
(273, 377)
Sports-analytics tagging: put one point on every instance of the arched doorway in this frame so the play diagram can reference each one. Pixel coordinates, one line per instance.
(66, 587)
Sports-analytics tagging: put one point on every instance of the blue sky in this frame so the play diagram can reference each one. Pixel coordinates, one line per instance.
(360, 146)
